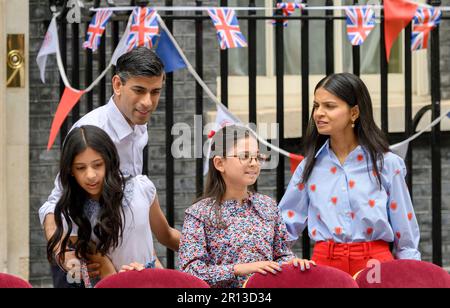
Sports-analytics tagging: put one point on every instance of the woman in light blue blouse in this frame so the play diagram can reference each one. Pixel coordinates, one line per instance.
(350, 189)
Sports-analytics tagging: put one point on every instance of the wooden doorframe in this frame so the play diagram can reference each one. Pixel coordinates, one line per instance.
(14, 148)
(3, 209)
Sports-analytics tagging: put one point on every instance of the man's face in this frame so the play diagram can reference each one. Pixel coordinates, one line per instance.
(138, 97)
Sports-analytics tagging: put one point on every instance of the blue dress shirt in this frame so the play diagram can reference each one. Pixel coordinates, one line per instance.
(344, 203)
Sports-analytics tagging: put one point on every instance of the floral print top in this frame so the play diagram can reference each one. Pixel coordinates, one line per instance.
(255, 232)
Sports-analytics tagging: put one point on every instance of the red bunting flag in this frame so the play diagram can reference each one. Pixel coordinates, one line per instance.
(68, 101)
(295, 161)
(397, 15)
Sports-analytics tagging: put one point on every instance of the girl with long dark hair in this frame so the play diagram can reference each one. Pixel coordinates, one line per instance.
(102, 215)
(232, 232)
(350, 189)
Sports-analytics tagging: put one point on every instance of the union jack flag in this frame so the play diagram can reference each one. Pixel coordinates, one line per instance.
(227, 26)
(423, 22)
(288, 8)
(143, 28)
(360, 22)
(96, 29)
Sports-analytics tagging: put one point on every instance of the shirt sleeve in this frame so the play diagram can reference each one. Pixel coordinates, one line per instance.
(49, 206)
(147, 188)
(401, 214)
(281, 250)
(294, 205)
(193, 255)
(74, 227)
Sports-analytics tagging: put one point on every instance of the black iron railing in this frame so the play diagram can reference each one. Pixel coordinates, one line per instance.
(251, 19)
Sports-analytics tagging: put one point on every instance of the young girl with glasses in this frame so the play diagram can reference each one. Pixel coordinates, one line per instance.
(233, 232)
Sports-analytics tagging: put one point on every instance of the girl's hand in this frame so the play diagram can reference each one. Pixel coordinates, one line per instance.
(94, 270)
(71, 262)
(99, 265)
(304, 264)
(261, 267)
(73, 265)
(132, 267)
(158, 264)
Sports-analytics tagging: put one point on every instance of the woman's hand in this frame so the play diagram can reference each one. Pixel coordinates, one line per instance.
(135, 266)
(261, 267)
(304, 264)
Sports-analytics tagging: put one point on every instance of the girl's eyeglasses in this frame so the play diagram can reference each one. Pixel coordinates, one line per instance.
(246, 158)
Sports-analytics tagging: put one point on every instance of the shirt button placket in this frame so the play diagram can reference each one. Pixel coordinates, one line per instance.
(346, 198)
(133, 151)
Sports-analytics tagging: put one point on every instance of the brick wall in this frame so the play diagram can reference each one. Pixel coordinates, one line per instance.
(444, 37)
(44, 164)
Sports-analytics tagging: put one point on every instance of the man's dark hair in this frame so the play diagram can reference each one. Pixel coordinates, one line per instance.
(140, 61)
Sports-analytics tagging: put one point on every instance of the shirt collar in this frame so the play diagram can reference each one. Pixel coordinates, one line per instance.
(235, 203)
(325, 148)
(255, 201)
(118, 122)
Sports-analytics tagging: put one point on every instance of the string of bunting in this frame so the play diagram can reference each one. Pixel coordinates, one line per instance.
(142, 30)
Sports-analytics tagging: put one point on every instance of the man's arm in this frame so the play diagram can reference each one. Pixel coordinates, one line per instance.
(49, 226)
(165, 234)
(46, 211)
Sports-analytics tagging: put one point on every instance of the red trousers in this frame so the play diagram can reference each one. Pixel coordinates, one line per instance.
(350, 257)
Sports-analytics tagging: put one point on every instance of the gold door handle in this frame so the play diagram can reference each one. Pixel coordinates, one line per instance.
(15, 61)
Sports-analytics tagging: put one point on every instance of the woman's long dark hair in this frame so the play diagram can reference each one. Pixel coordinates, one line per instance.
(353, 91)
(223, 140)
(109, 228)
